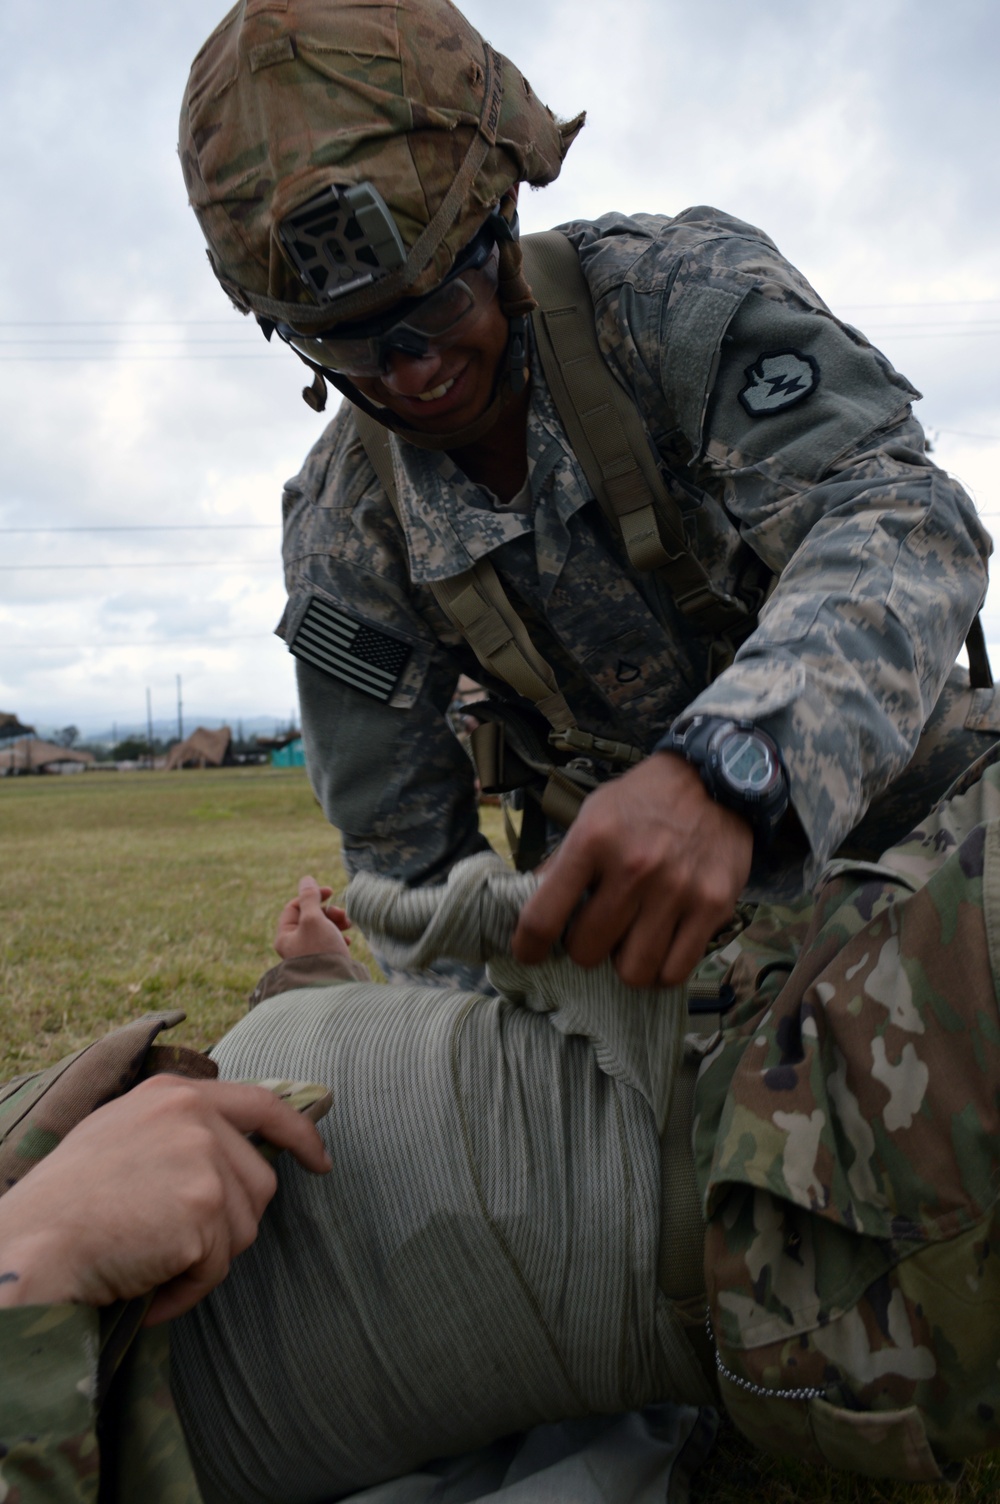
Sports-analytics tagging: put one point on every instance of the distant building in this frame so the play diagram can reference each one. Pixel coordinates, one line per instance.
(203, 749)
(291, 755)
(11, 727)
(31, 755)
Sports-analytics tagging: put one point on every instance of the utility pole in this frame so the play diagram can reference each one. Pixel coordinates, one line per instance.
(180, 711)
(149, 725)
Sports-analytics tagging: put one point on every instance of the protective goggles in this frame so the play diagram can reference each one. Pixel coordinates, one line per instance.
(415, 327)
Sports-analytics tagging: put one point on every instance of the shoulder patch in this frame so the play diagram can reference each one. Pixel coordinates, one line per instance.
(351, 650)
(777, 381)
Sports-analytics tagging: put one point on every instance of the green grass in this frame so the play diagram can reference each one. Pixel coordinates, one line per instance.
(126, 892)
(121, 893)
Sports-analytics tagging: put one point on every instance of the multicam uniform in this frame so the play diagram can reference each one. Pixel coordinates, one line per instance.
(789, 445)
(847, 1142)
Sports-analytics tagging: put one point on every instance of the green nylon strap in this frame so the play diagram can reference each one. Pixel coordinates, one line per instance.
(476, 602)
(608, 436)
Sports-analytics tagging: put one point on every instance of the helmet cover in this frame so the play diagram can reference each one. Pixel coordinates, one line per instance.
(290, 97)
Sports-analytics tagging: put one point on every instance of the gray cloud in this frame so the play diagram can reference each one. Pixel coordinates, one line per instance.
(862, 138)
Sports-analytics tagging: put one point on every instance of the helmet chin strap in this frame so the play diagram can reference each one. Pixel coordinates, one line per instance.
(512, 378)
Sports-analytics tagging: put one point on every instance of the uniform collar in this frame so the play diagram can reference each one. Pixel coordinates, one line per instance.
(449, 521)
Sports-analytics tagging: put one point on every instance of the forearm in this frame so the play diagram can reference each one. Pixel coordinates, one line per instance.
(858, 637)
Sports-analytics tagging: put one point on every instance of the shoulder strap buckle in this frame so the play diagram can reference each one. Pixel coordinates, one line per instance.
(584, 742)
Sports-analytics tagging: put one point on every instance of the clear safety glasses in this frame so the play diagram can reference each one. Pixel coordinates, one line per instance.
(416, 327)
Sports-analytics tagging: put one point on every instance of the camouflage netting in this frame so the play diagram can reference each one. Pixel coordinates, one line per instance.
(290, 96)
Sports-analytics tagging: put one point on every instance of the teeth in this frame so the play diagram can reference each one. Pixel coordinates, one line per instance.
(438, 391)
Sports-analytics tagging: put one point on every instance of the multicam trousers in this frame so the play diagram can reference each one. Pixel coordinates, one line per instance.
(847, 1139)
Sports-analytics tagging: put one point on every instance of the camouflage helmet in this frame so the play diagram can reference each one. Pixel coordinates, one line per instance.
(289, 98)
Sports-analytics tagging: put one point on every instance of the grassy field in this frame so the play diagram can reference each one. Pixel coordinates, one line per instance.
(126, 892)
(121, 893)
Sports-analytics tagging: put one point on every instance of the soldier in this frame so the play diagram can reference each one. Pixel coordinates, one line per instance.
(766, 626)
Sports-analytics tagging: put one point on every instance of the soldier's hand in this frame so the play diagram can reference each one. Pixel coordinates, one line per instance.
(309, 926)
(159, 1188)
(659, 867)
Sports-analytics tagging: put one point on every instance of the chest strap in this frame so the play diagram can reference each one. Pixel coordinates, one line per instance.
(476, 604)
(609, 439)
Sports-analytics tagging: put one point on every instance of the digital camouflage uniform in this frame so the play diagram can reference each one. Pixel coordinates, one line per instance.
(819, 477)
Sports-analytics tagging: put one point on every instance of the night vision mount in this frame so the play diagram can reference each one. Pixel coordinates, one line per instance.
(341, 240)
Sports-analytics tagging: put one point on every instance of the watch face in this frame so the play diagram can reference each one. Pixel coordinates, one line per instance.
(746, 764)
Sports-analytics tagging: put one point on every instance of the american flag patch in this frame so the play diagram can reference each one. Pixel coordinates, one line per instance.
(371, 661)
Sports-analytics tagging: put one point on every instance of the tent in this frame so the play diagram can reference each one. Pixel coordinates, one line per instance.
(203, 749)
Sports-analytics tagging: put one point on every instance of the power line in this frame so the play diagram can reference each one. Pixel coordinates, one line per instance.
(959, 433)
(110, 359)
(896, 331)
(115, 323)
(877, 333)
(228, 323)
(949, 326)
(180, 339)
(158, 564)
(148, 527)
(138, 642)
(930, 303)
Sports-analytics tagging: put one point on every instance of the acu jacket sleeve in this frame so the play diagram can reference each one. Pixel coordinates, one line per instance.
(798, 442)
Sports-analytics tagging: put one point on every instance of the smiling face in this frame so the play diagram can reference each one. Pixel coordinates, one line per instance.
(447, 388)
(432, 361)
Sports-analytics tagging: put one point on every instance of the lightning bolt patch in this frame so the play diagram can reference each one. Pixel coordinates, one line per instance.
(777, 381)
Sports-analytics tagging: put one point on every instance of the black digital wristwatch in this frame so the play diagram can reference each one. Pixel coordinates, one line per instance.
(740, 767)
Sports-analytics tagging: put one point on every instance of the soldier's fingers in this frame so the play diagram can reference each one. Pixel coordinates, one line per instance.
(219, 1214)
(686, 949)
(337, 916)
(254, 1109)
(226, 1229)
(546, 913)
(248, 1181)
(648, 942)
(601, 924)
(182, 1293)
(175, 1298)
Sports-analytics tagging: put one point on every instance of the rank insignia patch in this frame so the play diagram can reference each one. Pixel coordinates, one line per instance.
(777, 381)
(350, 650)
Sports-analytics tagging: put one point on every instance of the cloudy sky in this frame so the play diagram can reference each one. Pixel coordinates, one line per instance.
(145, 429)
